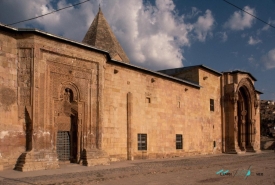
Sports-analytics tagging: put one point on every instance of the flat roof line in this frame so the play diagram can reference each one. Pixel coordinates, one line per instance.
(157, 73)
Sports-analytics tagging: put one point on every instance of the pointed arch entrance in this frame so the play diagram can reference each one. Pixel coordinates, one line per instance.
(244, 134)
(68, 129)
(245, 114)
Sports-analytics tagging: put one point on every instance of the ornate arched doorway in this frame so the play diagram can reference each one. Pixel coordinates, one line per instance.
(68, 128)
(244, 133)
(244, 125)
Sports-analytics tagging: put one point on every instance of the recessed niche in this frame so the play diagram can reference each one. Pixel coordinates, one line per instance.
(148, 100)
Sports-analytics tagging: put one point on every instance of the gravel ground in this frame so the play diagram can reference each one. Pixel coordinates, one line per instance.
(191, 170)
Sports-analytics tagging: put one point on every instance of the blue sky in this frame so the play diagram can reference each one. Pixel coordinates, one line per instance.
(160, 34)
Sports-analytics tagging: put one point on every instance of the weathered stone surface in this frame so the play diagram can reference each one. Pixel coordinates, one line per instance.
(65, 101)
(31, 161)
(95, 157)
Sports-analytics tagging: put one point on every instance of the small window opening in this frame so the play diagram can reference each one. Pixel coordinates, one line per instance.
(178, 141)
(142, 141)
(211, 104)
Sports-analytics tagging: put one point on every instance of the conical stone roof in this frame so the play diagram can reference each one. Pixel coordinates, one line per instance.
(100, 35)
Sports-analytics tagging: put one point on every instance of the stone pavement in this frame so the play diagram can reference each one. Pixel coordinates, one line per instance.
(74, 168)
(180, 170)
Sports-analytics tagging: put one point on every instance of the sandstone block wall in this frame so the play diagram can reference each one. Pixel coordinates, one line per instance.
(12, 135)
(211, 120)
(110, 104)
(161, 109)
(34, 71)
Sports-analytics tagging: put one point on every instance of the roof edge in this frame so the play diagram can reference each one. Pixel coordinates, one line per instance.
(36, 31)
(199, 66)
(156, 73)
(242, 72)
(8, 27)
(210, 69)
(259, 92)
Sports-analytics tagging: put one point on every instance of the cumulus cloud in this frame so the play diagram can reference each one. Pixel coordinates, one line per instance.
(253, 41)
(152, 36)
(223, 36)
(204, 25)
(269, 59)
(241, 20)
(70, 23)
(267, 27)
(195, 12)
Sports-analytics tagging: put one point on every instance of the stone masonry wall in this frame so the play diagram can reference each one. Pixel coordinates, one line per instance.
(62, 64)
(161, 109)
(12, 135)
(191, 75)
(211, 120)
(33, 70)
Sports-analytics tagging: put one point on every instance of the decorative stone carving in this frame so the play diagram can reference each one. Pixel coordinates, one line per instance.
(252, 122)
(256, 102)
(234, 97)
(236, 124)
(24, 76)
(244, 112)
(236, 129)
(253, 125)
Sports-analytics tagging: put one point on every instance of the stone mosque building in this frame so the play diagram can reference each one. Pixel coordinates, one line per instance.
(85, 103)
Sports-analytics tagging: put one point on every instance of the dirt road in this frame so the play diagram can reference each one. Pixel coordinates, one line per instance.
(243, 169)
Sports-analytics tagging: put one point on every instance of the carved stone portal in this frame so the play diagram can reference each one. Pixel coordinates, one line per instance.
(245, 104)
(67, 130)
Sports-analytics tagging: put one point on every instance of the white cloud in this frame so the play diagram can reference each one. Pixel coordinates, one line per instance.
(269, 59)
(223, 36)
(253, 41)
(195, 12)
(70, 23)
(152, 36)
(204, 26)
(266, 27)
(241, 20)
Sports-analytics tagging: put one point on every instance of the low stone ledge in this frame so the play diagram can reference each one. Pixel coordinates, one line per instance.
(95, 157)
(32, 161)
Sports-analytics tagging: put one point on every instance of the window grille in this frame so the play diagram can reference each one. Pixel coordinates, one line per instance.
(178, 141)
(142, 141)
(63, 145)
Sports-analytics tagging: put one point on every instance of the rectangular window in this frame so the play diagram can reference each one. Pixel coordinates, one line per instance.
(142, 141)
(211, 104)
(178, 141)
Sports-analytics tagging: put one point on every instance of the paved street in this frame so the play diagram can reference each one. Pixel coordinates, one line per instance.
(243, 169)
